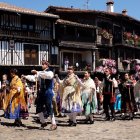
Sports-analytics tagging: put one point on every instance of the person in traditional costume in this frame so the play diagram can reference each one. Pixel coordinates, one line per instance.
(4, 90)
(128, 100)
(117, 105)
(108, 95)
(24, 113)
(56, 98)
(45, 93)
(133, 79)
(71, 99)
(88, 95)
(15, 99)
(137, 91)
(99, 91)
(5, 83)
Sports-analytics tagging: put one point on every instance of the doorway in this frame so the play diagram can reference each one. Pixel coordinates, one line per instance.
(30, 54)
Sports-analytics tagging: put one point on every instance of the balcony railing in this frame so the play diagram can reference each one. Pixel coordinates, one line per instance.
(103, 41)
(129, 39)
(20, 33)
(77, 39)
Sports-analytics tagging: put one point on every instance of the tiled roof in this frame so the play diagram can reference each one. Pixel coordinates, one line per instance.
(83, 11)
(66, 22)
(12, 8)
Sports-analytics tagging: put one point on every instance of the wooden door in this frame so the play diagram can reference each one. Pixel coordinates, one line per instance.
(30, 54)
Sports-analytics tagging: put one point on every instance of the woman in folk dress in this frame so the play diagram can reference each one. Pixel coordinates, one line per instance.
(88, 95)
(71, 100)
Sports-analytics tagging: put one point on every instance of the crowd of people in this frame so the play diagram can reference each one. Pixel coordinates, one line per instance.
(71, 96)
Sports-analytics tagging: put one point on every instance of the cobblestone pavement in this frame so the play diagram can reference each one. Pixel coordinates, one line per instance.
(100, 130)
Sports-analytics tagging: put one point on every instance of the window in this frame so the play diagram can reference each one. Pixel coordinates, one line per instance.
(30, 54)
(54, 55)
(73, 58)
(4, 20)
(43, 27)
(43, 47)
(27, 22)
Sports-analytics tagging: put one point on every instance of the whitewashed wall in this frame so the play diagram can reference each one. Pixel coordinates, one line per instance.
(43, 52)
(5, 53)
(18, 54)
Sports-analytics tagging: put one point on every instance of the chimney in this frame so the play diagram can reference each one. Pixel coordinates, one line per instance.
(71, 7)
(110, 6)
(124, 12)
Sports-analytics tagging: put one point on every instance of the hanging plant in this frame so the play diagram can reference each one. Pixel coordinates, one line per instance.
(99, 69)
(106, 63)
(131, 42)
(105, 34)
(127, 35)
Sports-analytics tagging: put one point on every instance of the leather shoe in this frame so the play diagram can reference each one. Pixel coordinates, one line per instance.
(113, 119)
(91, 121)
(72, 124)
(107, 119)
(18, 123)
(43, 125)
(53, 127)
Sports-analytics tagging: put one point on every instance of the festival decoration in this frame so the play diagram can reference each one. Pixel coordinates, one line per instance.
(131, 39)
(105, 34)
(106, 63)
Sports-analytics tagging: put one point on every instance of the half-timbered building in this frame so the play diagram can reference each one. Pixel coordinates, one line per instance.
(26, 38)
(116, 36)
(76, 43)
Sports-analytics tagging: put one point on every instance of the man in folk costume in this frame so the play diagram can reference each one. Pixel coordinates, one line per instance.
(108, 94)
(88, 95)
(137, 91)
(15, 99)
(45, 93)
(71, 100)
(128, 100)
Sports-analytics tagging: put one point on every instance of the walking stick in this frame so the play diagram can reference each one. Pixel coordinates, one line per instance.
(131, 104)
(74, 100)
(4, 98)
(35, 95)
(129, 94)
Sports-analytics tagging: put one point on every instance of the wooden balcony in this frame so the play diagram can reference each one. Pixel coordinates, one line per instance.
(103, 41)
(77, 39)
(26, 34)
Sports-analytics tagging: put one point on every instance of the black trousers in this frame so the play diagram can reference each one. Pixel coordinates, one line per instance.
(44, 102)
(108, 105)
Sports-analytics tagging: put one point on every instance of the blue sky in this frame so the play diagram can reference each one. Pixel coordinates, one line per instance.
(132, 6)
